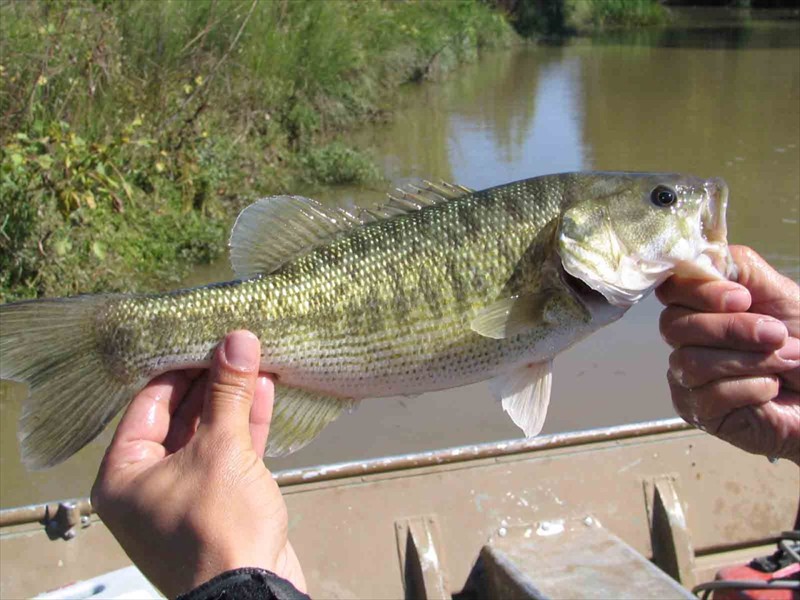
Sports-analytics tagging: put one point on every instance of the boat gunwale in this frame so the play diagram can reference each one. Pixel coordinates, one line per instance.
(39, 512)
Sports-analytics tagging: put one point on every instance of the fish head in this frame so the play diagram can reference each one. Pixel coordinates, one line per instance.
(628, 232)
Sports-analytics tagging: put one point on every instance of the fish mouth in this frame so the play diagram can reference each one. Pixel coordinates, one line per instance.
(714, 228)
(714, 259)
(712, 216)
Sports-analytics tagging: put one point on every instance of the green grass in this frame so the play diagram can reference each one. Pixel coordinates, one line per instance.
(132, 132)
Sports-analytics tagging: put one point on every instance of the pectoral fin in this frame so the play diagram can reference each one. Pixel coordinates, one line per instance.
(518, 314)
(525, 393)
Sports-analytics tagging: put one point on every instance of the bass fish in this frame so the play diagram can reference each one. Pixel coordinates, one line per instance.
(440, 287)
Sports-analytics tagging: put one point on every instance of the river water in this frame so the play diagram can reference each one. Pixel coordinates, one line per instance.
(715, 94)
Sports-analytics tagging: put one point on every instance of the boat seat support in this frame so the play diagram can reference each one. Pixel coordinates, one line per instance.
(422, 564)
(575, 558)
(672, 545)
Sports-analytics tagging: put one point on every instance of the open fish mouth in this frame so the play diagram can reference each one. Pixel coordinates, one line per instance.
(714, 228)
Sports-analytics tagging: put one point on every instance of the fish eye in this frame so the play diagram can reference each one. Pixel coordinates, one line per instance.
(663, 196)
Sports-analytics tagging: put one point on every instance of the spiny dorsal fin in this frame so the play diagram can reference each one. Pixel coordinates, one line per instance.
(276, 229)
(413, 196)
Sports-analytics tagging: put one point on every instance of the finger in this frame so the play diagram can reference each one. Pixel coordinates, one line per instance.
(736, 331)
(148, 415)
(772, 293)
(694, 366)
(187, 416)
(790, 380)
(261, 413)
(703, 295)
(232, 383)
(771, 429)
(706, 406)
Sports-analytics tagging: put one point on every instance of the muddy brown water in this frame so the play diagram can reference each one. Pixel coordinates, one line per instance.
(716, 94)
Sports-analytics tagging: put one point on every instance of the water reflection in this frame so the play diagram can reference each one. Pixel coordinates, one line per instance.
(695, 98)
(698, 28)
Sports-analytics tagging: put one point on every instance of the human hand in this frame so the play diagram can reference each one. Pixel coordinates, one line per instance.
(735, 370)
(183, 486)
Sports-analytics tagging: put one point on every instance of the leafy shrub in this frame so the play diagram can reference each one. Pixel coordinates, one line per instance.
(336, 163)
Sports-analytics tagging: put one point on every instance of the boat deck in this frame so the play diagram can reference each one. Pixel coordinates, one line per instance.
(674, 495)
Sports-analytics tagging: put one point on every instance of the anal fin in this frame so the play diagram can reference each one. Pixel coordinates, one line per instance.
(525, 393)
(299, 416)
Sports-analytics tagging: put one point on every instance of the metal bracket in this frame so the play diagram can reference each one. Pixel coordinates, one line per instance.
(63, 524)
(672, 545)
(419, 549)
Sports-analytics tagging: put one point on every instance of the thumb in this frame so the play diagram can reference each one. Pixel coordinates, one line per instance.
(772, 293)
(234, 372)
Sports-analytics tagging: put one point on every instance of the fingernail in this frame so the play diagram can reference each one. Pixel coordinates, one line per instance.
(769, 331)
(736, 300)
(241, 350)
(790, 350)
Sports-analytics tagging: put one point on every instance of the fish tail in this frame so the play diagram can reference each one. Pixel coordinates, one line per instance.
(51, 345)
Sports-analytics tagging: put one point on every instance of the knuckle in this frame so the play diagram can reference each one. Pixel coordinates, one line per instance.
(96, 498)
(229, 392)
(680, 399)
(749, 255)
(685, 366)
(666, 325)
(731, 329)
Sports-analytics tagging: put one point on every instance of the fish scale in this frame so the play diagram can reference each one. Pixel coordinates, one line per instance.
(444, 287)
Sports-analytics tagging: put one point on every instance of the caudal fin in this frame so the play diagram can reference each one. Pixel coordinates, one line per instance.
(50, 345)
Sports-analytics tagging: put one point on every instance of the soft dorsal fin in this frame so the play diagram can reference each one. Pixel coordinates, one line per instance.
(276, 229)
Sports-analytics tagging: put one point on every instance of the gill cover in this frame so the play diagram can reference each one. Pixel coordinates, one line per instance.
(592, 252)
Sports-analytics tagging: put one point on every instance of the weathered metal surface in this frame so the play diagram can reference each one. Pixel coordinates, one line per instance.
(343, 529)
(574, 558)
(509, 448)
(41, 513)
(673, 550)
(32, 564)
(390, 464)
(419, 549)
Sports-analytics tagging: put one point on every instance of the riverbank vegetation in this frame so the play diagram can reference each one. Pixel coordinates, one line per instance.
(131, 133)
(566, 17)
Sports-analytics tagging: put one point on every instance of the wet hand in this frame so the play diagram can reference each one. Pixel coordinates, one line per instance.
(183, 486)
(735, 370)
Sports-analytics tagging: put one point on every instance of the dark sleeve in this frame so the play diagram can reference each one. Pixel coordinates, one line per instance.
(248, 583)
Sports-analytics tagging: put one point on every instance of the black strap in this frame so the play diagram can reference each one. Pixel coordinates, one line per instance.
(248, 583)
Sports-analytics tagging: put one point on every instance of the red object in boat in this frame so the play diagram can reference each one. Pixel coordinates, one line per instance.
(747, 573)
